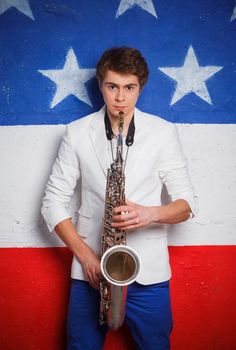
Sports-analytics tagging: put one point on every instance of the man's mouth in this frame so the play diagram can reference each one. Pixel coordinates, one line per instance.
(120, 108)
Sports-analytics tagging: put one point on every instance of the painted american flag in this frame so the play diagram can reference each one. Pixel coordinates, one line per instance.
(48, 53)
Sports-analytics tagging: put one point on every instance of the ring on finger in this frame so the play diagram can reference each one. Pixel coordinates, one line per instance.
(124, 216)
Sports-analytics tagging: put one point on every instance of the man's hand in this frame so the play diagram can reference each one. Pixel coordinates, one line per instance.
(91, 267)
(132, 215)
(88, 259)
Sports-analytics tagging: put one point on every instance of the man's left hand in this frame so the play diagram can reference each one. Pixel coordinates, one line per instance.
(132, 215)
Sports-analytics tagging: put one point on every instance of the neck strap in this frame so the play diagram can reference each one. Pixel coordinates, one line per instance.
(130, 135)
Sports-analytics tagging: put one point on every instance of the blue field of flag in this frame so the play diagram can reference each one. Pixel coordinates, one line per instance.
(49, 50)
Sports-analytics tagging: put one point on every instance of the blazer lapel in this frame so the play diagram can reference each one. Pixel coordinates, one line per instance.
(99, 140)
(101, 146)
(133, 153)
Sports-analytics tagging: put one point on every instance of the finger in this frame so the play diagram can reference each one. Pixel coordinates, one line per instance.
(124, 217)
(92, 277)
(123, 209)
(97, 280)
(96, 285)
(131, 227)
(125, 224)
(98, 274)
(120, 209)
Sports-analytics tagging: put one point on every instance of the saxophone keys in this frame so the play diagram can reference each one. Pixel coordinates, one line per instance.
(105, 291)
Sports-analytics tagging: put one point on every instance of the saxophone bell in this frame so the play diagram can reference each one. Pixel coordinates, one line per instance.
(120, 266)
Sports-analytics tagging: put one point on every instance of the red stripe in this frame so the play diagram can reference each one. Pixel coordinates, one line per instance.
(35, 286)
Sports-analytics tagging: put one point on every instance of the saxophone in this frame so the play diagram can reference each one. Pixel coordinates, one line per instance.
(120, 265)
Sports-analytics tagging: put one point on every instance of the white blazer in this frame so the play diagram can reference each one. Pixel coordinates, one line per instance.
(154, 159)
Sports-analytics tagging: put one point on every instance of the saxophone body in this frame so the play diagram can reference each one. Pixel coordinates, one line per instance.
(120, 265)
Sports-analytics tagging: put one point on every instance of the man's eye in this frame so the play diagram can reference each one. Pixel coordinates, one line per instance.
(130, 88)
(111, 87)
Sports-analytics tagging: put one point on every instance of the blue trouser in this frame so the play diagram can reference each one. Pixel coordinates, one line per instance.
(148, 315)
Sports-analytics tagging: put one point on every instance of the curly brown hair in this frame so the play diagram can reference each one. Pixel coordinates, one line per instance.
(123, 60)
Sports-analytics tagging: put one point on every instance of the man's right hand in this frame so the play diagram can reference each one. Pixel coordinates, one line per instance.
(91, 267)
(89, 260)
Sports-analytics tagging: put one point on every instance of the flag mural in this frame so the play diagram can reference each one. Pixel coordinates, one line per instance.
(48, 54)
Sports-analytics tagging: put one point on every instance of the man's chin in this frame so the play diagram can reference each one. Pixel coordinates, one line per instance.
(116, 112)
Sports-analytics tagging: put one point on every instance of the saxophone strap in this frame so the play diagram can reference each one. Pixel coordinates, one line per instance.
(110, 135)
(113, 157)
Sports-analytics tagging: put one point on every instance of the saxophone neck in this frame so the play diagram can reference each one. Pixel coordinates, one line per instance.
(119, 151)
(121, 122)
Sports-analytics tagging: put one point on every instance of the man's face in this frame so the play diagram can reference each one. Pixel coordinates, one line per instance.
(120, 93)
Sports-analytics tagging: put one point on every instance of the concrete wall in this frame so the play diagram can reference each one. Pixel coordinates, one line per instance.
(191, 54)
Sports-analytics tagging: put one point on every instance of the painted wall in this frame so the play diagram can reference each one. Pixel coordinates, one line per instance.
(35, 288)
(48, 52)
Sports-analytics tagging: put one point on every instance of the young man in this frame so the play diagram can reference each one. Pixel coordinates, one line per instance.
(153, 157)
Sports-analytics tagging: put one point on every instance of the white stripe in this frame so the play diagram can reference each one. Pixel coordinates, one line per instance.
(211, 153)
(27, 154)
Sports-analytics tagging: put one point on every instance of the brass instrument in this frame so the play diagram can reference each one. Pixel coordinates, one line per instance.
(120, 265)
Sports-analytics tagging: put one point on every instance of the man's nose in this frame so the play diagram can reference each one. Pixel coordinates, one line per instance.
(120, 96)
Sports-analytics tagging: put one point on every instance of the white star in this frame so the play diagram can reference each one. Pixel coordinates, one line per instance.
(146, 5)
(234, 14)
(21, 5)
(70, 80)
(191, 77)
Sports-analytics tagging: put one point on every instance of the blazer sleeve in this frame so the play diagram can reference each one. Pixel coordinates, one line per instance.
(61, 183)
(173, 170)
